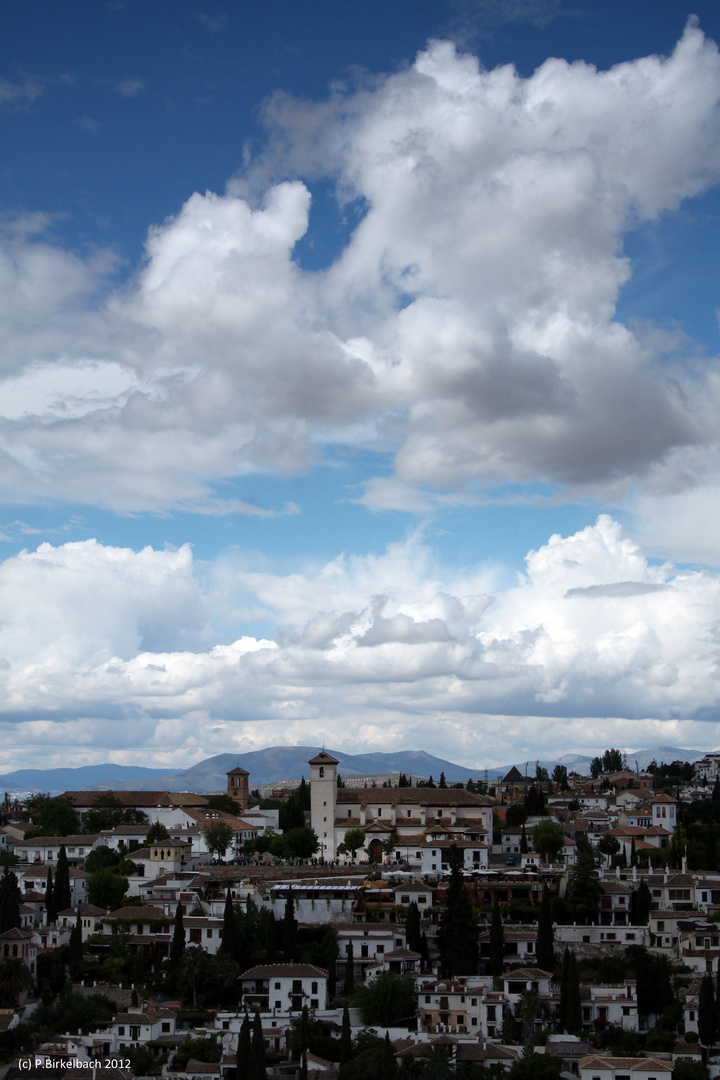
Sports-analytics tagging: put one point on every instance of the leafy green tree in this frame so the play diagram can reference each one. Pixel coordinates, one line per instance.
(353, 842)
(596, 767)
(546, 934)
(548, 839)
(100, 858)
(218, 836)
(108, 813)
(386, 999)
(106, 889)
(537, 1067)
(608, 845)
(15, 979)
(497, 942)
(612, 760)
(207, 1048)
(689, 1070)
(156, 832)
(560, 777)
(53, 816)
(707, 1015)
(224, 804)
(300, 843)
(61, 890)
(516, 815)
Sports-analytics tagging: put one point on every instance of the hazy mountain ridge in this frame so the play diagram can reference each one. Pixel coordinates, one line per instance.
(275, 763)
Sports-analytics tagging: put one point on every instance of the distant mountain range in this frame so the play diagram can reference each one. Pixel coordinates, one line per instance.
(277, 763)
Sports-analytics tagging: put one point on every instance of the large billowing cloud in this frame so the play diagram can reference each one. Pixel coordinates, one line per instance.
(467, 326)
(110, 648)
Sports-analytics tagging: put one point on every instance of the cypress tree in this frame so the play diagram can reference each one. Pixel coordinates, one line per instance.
(545, 938)
(303, 1068)
(10, 899)
(270, 936)
(633, 853)
(641, 904)
(303, 1030)
(707, 1016)
(424, 952)
(243, 1049)
(228, 943)
(177, 948)
(75, 950)
(389, 1065)
(258, 1068)
(345, 1037)
(563, 987)
(573, 1009)
(289, 930)
(523, 841)
(50, 910)
(458, 932)
(412, 927)
(497, 941)
(349, 983)
(710, 846)
(61, 891)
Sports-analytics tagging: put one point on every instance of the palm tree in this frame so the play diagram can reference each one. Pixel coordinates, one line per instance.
(15, 978)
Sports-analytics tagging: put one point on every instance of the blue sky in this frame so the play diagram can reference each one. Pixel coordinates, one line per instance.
(315, 323)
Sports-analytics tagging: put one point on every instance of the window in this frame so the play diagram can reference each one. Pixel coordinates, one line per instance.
(278, 1005)
(314, 988)
(363, 950)
(421, 899)
(380, 950)
(321, 771)
(208, 933)
(121, 1031)
(313, 1003)
(277, 985)
(405, 899)
(349, 813)
(226, 1026)
(166, 1026)
(324, 804)
(427, 1002)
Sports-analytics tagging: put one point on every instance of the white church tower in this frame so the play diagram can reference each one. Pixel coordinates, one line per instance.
(323, 799)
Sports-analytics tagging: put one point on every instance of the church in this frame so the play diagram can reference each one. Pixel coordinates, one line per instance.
(422, 823)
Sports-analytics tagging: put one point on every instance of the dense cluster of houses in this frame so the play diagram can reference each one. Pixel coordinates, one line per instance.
(409, 834)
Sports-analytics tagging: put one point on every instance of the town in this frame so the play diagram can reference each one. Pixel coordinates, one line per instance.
(534, 926)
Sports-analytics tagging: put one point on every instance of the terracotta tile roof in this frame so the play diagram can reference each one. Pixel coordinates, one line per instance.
(297, 971)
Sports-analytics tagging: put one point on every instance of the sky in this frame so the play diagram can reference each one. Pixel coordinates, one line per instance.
(359, 378)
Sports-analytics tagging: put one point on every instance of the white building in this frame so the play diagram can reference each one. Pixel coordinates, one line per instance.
(414, 818)
(284, 988)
